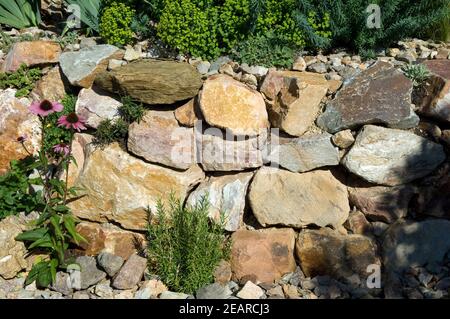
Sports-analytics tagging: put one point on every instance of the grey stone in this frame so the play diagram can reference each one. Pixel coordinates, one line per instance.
(61, 284)
(318, 67)
(214, 291)
(379, 95)
(90, 274)
(110, 263)
(392, 157)
(81, 67)
(258, 71)
(131, 273)
(304, 154)
(173, 295)
(203, 67)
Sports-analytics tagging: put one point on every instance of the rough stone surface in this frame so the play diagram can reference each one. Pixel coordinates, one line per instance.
(229, 104)
(250, 291)
(326, 252)
(110, 239)
(61, 284)
(12, 252)
(379, 95)
(173, 295)
(226, 195)
(188, 114)
(435, 98)
(294, 99)
(96, 105)
(304, 153)
(151, 289)
(380, 203)
(413, 244)
(81, 67)
(320, 199)
(31, 53)
(110, 263)
(131, 273)
(51, 87)
(153, 81)
(220, 152)
(214, 291)
(223, 273)
(392, 157)
(90, 274)
(262, 256)
(121, 188)
(343, 139)
(159, 139)
(16, 121)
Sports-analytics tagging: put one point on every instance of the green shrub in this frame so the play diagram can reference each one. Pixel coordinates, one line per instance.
(190, 28)
(399, 19)
(23, 80)
(234, 22)
(184, 246)
(130, 111)
(277, 17)
(115, 24)
(418, 73)
(109, 132)
(16, 193)
(55, 134)
(267, 50)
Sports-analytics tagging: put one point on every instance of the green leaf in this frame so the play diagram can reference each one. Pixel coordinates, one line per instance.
(32, 235)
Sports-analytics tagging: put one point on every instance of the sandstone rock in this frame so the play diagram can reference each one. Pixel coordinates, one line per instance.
(279, 197)
(51, 87)
(217, 152)
(90, 274)
(443, 53)
(379, 95)
(80, 146)
(262, 256)
(153, 81)
(159, 139)
(304, 153)
(16, 121)
(343, 139)
(358, 224)
(226, 195)
(131, 273)
(120, 188)
(413, 244)
(392, 157)
(250, 291)
(189, 113)
(12, 252)
(379, 203)
(326, 252)
(82, 67)
(109, 239)
(295, 99)
(299, 64)
(110, 263)
(274, 81)
(434, 100)
(229, 104)
(96, 105)
(31, 53)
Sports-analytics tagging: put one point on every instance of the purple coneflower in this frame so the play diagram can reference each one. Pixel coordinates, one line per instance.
(61, 148)
(73, 121)
(45, 107)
